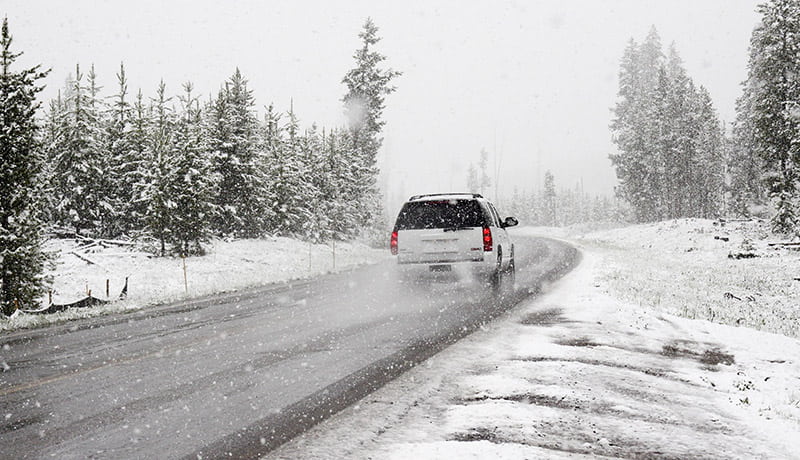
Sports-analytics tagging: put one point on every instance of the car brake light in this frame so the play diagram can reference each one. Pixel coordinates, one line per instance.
(487, 239)
(393, 243)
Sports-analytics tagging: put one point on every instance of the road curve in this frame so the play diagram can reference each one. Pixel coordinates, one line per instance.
(238, 374)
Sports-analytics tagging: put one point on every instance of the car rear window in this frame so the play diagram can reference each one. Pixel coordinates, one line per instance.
(440, 214)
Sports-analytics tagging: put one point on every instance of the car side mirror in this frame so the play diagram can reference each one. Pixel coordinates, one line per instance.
(510, 222)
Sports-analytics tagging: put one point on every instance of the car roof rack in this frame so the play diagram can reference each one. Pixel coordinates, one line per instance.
(417, 197)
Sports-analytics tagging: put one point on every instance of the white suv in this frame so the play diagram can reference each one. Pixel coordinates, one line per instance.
(449, 231)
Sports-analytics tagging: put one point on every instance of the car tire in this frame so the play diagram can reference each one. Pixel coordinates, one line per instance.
(511, 271)
(496, 278)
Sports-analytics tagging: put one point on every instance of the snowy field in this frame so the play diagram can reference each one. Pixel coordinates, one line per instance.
(618, 359)
(153, 280)
(731, 273)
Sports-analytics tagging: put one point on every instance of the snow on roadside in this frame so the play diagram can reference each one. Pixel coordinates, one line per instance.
(725, 272)
(597, 368)
(228, 265)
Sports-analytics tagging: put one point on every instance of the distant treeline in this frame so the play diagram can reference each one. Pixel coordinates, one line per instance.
(554, 206)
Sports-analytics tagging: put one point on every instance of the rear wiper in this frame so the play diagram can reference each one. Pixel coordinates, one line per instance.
(455, 229)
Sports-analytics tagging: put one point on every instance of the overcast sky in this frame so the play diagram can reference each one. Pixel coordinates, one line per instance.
(532, 82)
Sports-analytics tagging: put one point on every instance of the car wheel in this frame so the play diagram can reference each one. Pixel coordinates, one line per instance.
(511, 271)
(496, 278)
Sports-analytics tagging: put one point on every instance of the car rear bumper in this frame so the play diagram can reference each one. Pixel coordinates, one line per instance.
(467, 267)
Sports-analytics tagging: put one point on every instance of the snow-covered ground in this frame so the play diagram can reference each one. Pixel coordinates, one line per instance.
(228, 265)
(601, 365)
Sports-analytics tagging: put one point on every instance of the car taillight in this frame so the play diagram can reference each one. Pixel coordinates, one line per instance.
(487, 239)
(393, 243)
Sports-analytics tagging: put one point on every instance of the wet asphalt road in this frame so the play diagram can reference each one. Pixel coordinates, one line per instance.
(236, 375)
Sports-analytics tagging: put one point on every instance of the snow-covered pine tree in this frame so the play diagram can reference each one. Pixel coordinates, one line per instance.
(676, 148)
(52, 139)
(343, 213)
(484, 181)
(102, 187)
(79, 160)
(124, 160)
(549, 217)
(329, 186)
(516, 206)
(772, 106)
(285, 184)
(140, 161)
(21, 256)
(315, 224)
(367, 86)
(192, 183)
(234, 140)
(533, 203)
(472, 179)
(271, 150)
(157, 189)
(708, 171)
(670, 161)
(288, 173)
(745, 165)
(635, 130)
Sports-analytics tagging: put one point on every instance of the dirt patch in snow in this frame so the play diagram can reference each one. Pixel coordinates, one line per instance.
(710, 356)
(655, 372)
(578, 342)
(548, 317)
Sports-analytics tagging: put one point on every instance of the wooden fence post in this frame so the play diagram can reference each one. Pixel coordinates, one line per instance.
(185, 278)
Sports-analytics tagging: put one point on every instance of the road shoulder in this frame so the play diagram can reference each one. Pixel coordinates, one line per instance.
(577, 373)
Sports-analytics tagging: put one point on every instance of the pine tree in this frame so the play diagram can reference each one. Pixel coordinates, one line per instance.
(139, 166)
(288, 174)
(771, 105)
(312, 207)
(368, 84)
(343, 212)
(21, 256)
(124, 160)
(234, 140)
(192, 183)
(473, 185)
(484, 181)
(709, 166)
(670, 162)
(157, 189)
(549, 216)
(79, 162)
(51, 142)
(745, 165)
(635, 130)
(104, 182)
